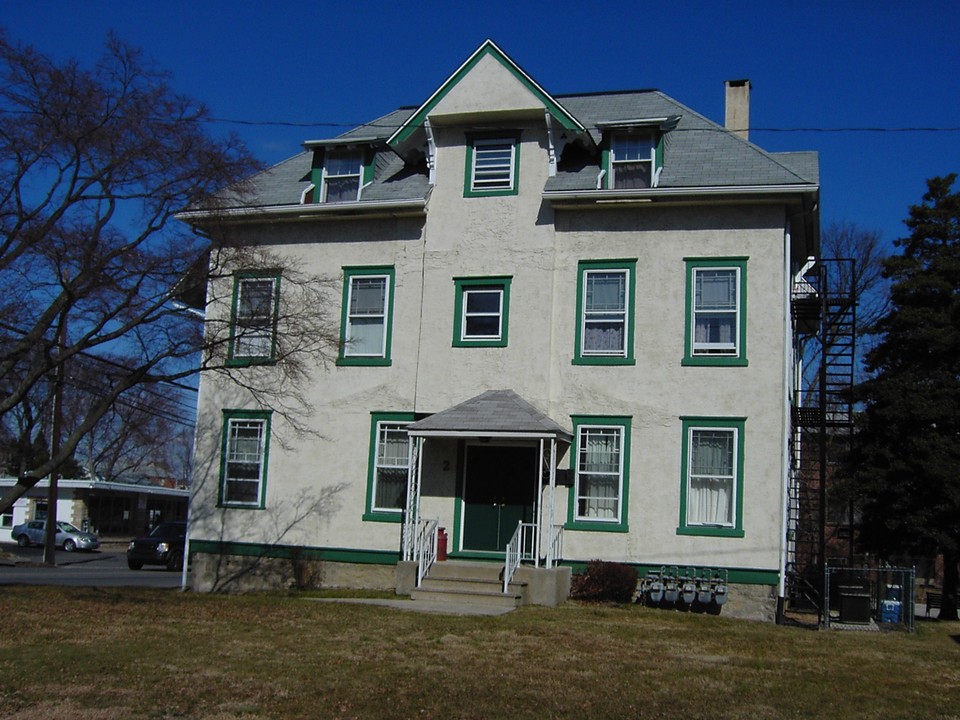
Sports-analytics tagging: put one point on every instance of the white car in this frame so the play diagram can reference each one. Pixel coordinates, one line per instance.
(68, 537)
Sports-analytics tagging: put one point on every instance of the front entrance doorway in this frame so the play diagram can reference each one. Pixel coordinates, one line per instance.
(500, 486)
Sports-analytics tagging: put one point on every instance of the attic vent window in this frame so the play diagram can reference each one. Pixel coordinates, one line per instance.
(492, 165)
(632, 159)
(341, 176)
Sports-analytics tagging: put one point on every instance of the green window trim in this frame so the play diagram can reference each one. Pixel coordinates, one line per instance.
(737, 426)
(597, 357)
(600, 422)
(463, 286)
(607, 159)
(235, 357)
(371, 512)
(351, 273)
(318, 175)
(506, 137)
(693, 357)
(252, 418)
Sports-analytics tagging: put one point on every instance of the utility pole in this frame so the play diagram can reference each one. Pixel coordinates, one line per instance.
(50, 537)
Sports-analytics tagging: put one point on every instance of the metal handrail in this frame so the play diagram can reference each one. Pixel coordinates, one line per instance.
(425, 550)
(519, 548)
(556, 543)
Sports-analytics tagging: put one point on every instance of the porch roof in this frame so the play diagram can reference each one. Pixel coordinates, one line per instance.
(495, 413)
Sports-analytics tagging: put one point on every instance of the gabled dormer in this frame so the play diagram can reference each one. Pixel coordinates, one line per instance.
(489, 96)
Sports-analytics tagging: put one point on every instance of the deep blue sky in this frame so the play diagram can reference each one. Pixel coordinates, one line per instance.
(829, 65)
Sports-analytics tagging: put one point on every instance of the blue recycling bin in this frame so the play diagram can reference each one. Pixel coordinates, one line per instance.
(890, 611)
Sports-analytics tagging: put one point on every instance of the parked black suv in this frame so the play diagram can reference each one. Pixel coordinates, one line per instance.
(163, 546)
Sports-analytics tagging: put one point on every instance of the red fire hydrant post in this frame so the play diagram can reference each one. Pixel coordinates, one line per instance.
(441, 544)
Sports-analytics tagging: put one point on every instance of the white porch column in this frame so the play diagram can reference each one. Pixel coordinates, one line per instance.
(551, 495)
(411, 517)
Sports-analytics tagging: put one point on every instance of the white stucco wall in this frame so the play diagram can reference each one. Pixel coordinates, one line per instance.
(519, 235)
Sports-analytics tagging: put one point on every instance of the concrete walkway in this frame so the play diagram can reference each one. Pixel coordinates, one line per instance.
(444, 608)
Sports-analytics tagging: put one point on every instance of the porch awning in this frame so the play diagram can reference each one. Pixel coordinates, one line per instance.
(495, 413)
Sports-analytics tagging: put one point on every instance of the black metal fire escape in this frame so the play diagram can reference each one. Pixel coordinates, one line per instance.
(825, 321)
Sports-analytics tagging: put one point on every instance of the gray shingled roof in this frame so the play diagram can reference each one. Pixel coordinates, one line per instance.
(493, 412)
(697, 153)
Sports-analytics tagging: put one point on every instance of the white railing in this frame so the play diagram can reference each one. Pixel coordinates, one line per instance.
(425, 547)
(519, 548)
(556, 544)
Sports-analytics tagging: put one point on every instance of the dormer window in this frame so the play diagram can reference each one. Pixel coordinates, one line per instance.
(341, 176)
(632, 161)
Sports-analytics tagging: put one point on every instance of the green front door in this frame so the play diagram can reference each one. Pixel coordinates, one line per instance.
(499, 488)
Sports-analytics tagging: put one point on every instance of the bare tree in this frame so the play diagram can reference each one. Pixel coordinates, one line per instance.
(94, 166)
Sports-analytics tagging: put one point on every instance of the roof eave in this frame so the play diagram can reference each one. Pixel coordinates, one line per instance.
(413, 206)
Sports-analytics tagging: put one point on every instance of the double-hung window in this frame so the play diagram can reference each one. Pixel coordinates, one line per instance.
(243, 470)
(481, 311)
(632, 161)
(255, 310)
(493, 165)
(389, 467)
(605, 312)
(716, 302)
(341, 176)
(366, 316)
(711, 486)
(601, 461)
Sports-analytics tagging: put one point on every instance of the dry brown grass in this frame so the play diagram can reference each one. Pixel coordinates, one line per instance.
(92, 654)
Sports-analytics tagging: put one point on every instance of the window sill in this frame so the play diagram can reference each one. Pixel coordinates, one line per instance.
(480, 344)
(709, 531)
(714, 362)
(238, 506)
(490, 193)
(250, 361)
(596, 526)
(384, 517)
(363, 362)
(604, 361)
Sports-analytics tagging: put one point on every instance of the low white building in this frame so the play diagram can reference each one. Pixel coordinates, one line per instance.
(567, 311)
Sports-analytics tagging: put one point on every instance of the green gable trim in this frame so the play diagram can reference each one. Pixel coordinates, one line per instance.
(488, 48)
(289, 552)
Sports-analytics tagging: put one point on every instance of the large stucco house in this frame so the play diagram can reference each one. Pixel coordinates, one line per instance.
(568, 314)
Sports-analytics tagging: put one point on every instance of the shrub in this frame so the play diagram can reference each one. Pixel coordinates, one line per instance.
(605, 582)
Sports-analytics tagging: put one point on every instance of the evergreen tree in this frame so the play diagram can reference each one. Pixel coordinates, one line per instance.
(907, 457)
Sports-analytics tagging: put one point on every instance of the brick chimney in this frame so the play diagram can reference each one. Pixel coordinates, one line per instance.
(738, 107)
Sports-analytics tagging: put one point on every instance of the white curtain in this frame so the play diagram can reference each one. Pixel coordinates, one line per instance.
(599, 476)
(711, 489)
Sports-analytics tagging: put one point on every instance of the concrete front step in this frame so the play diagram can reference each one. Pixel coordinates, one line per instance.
(459, 582)
(463, 597)
(469, 585)
(465, 570)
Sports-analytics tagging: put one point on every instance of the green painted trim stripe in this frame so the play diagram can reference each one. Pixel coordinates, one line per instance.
(287, 552)
(735, 576)
(740, 576)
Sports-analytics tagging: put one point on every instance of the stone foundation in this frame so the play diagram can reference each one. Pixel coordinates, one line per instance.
(238, 573)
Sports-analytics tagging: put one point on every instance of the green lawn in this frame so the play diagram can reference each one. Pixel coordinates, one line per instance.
(92, 654)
